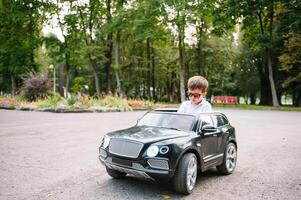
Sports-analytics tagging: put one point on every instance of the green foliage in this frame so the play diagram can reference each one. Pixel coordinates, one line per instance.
(113, 102)
(50, 102)
(291, 65)
(291, 60)
(21, 23)
(258, 107)
(71, 100)
(78, 84)
(149, 36)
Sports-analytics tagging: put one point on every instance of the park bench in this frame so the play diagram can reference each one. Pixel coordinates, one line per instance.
(229, 100)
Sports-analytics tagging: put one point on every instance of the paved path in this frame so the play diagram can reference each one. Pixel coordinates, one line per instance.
(55, 156)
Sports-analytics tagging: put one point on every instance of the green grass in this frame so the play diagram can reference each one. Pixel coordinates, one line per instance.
(242, 106)
(122, 104)
(258, 107)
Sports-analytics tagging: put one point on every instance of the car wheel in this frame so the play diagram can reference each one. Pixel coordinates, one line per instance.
(229, 161)
(185, 177)
(115, 174)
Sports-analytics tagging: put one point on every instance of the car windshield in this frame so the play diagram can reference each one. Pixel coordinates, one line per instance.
(167, 120)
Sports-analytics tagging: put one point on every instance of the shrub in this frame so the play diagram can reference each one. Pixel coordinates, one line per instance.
(71, 100)
(50, 102)
(114, 102)
(143, 104)
(78, 84)
(84, 101)
(35, 86)
(8, 102)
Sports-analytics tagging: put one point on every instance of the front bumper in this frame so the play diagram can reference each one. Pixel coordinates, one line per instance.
(136, 168)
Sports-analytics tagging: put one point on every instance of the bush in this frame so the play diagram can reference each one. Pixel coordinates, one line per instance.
(35, 86)
(71, 100)
(114, 102)
(8, 102)
(50, 102)
(78, 84)
(84, 101)
(143, 104)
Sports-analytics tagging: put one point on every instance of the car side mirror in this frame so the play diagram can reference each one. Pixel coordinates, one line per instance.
(208, 128)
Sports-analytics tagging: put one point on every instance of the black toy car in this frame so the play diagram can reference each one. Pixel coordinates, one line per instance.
(166, 145)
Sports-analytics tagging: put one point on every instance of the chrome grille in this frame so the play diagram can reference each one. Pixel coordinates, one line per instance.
(127, 148)
(159, 164)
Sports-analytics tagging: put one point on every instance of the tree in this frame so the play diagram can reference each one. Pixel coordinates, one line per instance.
(289, 24)
(257, 14)
(176, 16)
(90, 16)
(21, 23)
(291, 60)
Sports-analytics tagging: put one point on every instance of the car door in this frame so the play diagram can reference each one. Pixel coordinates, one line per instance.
(221, 123)
(208, 140)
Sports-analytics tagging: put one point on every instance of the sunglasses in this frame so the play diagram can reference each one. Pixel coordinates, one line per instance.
(195, 95)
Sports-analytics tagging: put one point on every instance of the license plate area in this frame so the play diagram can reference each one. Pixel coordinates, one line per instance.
(122, 162)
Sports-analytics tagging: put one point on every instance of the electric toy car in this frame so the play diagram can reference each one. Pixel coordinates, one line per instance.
(170, 146)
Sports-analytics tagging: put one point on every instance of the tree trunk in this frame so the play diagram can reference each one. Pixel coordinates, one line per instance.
(117, 61)
(253, 98)
(13, 85)
(265, 91)
(67, 84)
(89, 40)
(31, 41)
(153, 77)
(272, 83)
(168, 88)
(265, 87)
(199, 51)
(68, 78)
(182, 62)
(109, 50)
(148, 60)
(117, 54)
(61, 79)
(268, 51)
(296, 97)
(96, 79)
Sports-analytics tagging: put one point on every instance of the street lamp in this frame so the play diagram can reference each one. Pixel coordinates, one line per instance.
(52, 67)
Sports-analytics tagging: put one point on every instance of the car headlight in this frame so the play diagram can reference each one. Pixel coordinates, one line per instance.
(106, 141)
(152, 151)
(164, 149)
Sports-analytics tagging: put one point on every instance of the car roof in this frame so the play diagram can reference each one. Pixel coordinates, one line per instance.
(168, 109)
(172, 109)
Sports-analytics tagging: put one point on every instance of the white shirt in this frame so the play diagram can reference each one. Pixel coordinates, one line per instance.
(188, 108)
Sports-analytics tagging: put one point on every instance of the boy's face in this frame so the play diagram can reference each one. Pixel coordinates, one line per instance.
(195, 96)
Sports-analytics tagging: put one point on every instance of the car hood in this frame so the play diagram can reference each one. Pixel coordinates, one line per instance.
(146, 134)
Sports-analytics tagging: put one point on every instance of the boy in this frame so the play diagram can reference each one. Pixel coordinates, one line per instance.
(197, 89)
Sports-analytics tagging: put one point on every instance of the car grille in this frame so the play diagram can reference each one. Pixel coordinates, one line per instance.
(159, 164)
(126, 148)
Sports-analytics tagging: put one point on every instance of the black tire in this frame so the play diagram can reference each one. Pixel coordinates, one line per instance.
(115, 174)
(230, 155)
(179, 180)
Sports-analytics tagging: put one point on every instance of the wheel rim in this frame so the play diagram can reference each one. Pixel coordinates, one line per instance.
(191, 173)
(231, 158)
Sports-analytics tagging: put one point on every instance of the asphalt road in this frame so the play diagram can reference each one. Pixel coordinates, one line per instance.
(55, 156)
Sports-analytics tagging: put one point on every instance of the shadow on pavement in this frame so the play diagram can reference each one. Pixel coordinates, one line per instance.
(138, 188)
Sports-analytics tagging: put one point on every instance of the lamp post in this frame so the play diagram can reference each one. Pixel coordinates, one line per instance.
(52, 67)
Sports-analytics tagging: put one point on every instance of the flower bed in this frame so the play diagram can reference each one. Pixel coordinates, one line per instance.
(77, 103)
